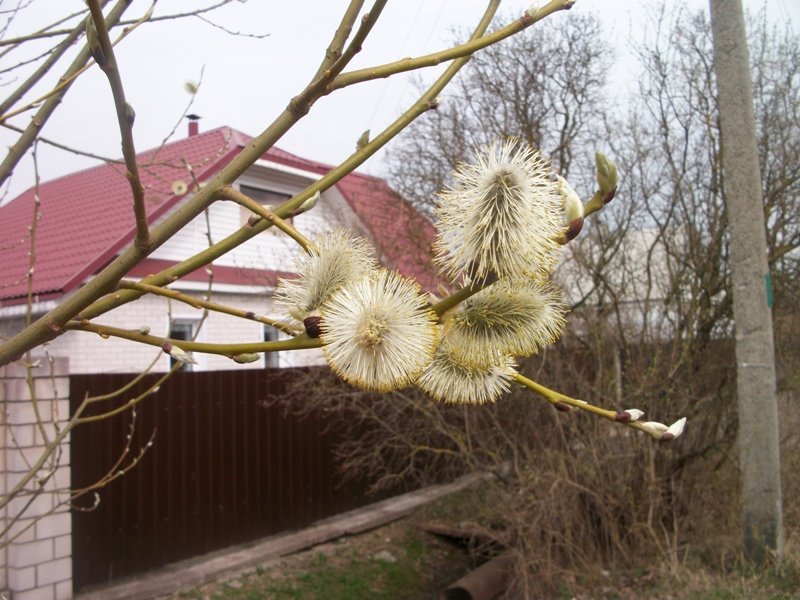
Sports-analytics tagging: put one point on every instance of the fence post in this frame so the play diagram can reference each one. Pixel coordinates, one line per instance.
(36, 553)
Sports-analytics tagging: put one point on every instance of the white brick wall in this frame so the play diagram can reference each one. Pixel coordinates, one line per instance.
(89, 353)
(36, 564)
(272, 249)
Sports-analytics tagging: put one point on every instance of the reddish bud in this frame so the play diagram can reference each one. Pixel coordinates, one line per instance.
(630, 414)
(312, 325)
(574, 228)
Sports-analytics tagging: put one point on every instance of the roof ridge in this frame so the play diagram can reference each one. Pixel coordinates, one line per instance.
(235, 136)
(82, 227)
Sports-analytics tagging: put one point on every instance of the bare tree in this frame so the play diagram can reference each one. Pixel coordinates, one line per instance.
(544, 87)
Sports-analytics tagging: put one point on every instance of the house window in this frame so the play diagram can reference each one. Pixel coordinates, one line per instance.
(182, 329)
(263, 197)
(270, 358)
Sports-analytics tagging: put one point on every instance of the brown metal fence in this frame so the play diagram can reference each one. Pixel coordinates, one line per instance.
(227, 466)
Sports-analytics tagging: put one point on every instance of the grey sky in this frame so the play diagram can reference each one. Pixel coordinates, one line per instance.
(249, 81)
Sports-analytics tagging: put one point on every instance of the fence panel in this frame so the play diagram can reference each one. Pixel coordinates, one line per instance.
(226, 467)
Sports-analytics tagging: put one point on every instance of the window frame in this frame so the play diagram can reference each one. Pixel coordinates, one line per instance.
(272, 360)
(265, 196)
(193, 324)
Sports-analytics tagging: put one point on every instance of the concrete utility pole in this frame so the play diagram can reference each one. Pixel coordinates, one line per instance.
(759, 453)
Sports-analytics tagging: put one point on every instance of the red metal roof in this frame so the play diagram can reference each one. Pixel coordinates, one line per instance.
(87, 218)
(222, 274)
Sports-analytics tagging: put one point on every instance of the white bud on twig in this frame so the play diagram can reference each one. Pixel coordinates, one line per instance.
(178, 353)
(674, 430)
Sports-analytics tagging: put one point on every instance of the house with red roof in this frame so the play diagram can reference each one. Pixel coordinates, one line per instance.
(86, 220)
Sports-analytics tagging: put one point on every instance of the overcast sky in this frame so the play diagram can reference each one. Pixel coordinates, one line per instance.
(248, 81)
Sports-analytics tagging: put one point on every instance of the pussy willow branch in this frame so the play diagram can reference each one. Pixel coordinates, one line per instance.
(199, 303)
(457, 298)
(130, 403)
(53, 446)
(53, 322)
(65, 82)
(54, 144)
(334, 50)
(139, 376)
(430, 60)
(426, 102)
(354, 47)
(33, 229)
(125, 118)
(234, 195)
(45, 67)
(300, 342)
(23, 143)
(555, 398)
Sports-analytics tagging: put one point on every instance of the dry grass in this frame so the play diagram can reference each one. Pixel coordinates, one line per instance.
(588, 508)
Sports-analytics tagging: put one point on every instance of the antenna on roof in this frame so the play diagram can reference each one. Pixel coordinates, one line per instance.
(194, 126)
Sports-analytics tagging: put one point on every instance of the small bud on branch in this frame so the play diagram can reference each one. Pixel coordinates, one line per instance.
(312, 325)
(248, 357)
(630, 414)
(178, 353)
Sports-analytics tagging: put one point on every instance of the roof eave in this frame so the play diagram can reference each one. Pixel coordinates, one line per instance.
(93, 266)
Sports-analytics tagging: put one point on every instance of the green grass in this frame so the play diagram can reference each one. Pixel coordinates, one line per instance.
(342, 576)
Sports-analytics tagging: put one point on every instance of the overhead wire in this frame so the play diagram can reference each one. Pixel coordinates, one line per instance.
(401, 52)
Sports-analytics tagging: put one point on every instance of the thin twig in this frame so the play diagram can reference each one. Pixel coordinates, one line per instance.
(199, 303)
(334, 50)
(60, 146)
(78, 65)
(44, 33)
(300, 342)
(55, 55)
(527, 19)
(53, 322)
(558, 399)
(125, 118)
(234, 195)
(426, 102)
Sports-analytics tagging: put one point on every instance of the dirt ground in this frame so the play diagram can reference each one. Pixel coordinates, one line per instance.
(405, 557)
